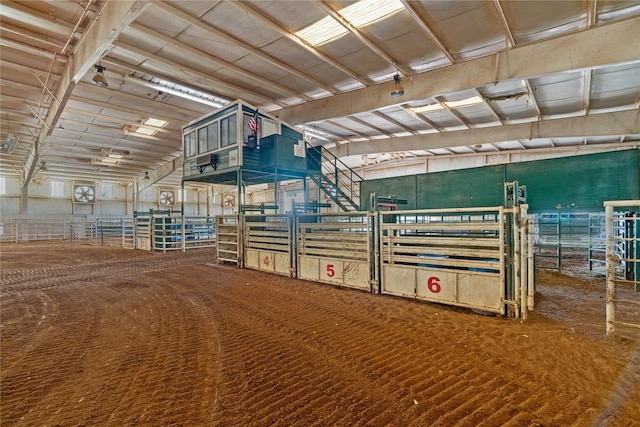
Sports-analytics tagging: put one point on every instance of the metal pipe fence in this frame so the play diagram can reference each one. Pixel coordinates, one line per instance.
(623, 266)
(105, 231)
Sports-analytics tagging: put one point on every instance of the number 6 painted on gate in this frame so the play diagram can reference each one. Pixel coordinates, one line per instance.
(433, 283)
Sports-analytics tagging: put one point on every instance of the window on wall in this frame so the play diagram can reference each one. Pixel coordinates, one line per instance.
(190, 144)
(202, 140)
(107, 190)
(57, 189)
(245, 126)
(212, 136)
(146, 194)
(3, 185)
(228, 131)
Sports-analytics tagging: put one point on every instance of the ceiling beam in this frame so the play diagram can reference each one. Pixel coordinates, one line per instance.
(425, 27)
(394, 122)
(191, 20)
(232, 91)
(206, 56)
(607, 124)
(114, 17)
(505, 24)
(364, 39)
(298, 40)
(615, 43)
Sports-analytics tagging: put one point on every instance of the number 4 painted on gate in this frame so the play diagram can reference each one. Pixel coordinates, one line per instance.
(266, 261)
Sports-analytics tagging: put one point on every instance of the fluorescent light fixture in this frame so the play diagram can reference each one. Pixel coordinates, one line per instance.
(179, 91)
(155, 122)
(105, 162)
(359, 14)
(115, 154)
(427, 108)
(464, 102)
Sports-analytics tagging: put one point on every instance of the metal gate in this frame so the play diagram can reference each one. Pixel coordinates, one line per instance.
(623, 265)
(268, 243)
(335, 248)
(453, 256)
(228, 247)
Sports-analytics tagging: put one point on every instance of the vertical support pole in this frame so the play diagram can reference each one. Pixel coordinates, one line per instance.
(611, 286)
(531, 291)
(122, 232)
(101, 228)
(522, 260)
(515, 232)
(183, 237)
(560, 243)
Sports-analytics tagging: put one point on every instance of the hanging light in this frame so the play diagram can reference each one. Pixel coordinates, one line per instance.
(146, 175)
(398, 90)
(43, 166)
(99, 79)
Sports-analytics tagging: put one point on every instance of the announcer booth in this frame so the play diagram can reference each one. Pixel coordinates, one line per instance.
(240, 146)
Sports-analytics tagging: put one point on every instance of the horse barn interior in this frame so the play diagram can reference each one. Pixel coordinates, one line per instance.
(320, 213)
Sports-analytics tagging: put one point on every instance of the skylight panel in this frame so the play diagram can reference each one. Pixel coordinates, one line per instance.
(366, 12)
(321, 32)
(155, 122)
(146, 131)
(359, 14)
(464, 102)
(427, 108)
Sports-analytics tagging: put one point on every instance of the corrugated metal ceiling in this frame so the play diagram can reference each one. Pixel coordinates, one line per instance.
(546, 65)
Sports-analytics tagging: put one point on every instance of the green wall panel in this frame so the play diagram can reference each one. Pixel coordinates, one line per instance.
(579, 183)
(461, 188)
(571, 184)
(404, 187)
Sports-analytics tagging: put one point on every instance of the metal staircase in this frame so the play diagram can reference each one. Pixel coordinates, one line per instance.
(334, 178)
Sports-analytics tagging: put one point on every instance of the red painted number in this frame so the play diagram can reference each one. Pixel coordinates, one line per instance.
(330, 271)
(434, 284)
(266, 261)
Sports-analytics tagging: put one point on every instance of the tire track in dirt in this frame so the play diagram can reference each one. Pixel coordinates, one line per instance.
(293, 329)
(167, 340)
(123, 352)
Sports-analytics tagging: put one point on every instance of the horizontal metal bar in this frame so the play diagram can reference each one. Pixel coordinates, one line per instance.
(626, 301)
(488, 209)
(445, 226)
(622, 203)
(342, 255)
(632, 325)
(483, 242)
(275, 248)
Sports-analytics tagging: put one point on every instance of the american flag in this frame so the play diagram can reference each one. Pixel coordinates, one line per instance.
(253, 123)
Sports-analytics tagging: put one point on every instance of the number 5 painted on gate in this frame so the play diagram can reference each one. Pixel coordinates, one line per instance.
(330, 271)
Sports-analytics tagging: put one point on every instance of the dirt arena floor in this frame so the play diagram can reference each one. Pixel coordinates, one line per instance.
(95, 336)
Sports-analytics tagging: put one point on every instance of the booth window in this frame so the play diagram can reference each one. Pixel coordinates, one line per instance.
(202, 140)
(212, 136)
(190, 144)
(228, 131)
